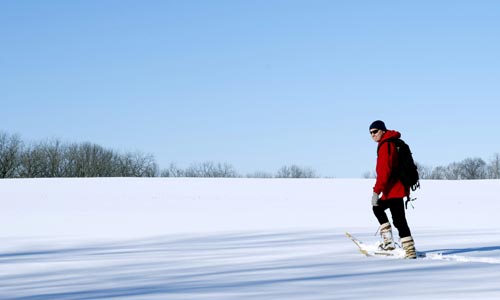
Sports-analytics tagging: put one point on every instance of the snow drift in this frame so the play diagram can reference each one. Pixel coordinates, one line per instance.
(227, 239)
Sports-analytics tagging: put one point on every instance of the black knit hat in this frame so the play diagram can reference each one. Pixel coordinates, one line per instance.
(378, 125)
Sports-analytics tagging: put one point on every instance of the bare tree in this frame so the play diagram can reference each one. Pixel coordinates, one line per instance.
(138, 164)
(438, 173)
(294, 171)
(54, 158)
(89, 160)
(473, 168)
(494, 167)
(226, 170)
(211, 169)
(453, 171)
(173, 171)
(424, 172)
(10, 155)
(33, 162)
(260, 174)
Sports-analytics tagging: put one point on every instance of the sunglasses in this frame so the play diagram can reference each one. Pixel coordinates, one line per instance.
(373, 132)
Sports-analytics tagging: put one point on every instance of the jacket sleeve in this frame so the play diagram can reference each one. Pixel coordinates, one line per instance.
(384, 166)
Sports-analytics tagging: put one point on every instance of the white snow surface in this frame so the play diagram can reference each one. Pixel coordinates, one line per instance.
(186, 238)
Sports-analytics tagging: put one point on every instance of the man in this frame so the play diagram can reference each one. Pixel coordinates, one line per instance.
(392, 191)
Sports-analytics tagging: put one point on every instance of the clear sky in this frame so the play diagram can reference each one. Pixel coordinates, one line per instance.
(258, 84)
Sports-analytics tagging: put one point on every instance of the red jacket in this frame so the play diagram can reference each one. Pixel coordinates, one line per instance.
(386, 161)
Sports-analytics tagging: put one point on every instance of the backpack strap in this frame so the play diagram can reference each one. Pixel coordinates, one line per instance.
(388, 148)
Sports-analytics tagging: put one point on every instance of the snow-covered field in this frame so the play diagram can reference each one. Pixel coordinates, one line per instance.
(137, 238)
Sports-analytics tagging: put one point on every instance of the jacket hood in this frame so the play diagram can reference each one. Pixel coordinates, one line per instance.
(390, 134)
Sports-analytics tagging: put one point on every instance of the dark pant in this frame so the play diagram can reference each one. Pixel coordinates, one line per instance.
(397, 209)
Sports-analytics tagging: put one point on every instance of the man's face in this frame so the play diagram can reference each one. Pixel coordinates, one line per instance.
(376, 134)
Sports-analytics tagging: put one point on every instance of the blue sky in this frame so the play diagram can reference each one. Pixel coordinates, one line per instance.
(257, 84)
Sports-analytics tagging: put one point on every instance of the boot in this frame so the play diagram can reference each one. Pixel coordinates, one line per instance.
(386, 234)
(409, 247)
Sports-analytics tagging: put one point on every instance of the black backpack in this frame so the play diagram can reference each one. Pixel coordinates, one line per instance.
(406, 170)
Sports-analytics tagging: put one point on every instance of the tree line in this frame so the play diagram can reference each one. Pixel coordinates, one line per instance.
(212, 169)
(54, 158)
(469, 168)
